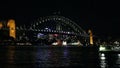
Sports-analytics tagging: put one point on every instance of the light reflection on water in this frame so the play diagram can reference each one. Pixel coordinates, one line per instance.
(109, 60)
(102, 60)
(37, 57)
(52, 57)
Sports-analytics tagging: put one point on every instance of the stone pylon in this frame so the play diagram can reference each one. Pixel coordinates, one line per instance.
(12, 29)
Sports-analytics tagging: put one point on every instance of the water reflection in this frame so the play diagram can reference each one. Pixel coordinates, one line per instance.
(10, 54)
(52, 57)
(118, 60)
(11, 57)
(109, 60)
(37, 57)
(42, 57)
(103, 63)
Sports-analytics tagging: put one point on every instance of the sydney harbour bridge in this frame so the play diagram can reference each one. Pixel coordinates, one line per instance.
(50, 29)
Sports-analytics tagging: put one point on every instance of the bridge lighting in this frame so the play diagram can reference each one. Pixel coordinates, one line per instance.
(46, 28)
(12, 29)
(43, 21)
(91, 37)
(34, 26)
(17, 28)
(65, 22)
(36, 23)
(46, 19)
(49, 30)
(40, 22)
(68, 32)
(1, 25)
(55, 31)
(52, 31)
(59, 19)
(41, 30)
(21, 28)
(30, 28)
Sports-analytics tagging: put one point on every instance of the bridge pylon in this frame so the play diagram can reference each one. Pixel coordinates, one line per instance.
(1, 25)
(91, 37)
(12, 30)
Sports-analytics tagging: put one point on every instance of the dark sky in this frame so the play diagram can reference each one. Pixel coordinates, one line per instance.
(102, 17)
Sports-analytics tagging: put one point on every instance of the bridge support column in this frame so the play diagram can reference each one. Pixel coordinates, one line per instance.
(91, 37)
(11, 25)
(1, 25)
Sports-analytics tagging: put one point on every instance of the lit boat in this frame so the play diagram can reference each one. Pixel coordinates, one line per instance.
(110, 48)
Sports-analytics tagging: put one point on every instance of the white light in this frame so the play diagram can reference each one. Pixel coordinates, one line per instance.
(40, 22)
(118, 55)
(41, 30)
(102, 48)
(102, 58)
(59, 19)
(36, 23)
(64, 43)
(68, 32)
(45, 19)
(46, 28)
(102, 55)
(55, 43)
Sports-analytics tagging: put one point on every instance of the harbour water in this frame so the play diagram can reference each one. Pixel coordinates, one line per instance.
(41, 57)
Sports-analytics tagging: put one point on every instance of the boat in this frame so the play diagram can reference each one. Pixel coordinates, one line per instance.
(109, 48)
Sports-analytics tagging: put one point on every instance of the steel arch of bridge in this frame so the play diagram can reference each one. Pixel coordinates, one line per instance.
(65, 20)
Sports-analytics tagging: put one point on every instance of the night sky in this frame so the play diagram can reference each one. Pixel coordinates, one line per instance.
(102, 17)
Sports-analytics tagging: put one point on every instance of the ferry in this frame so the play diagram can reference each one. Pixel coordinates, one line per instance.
(109, 48)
